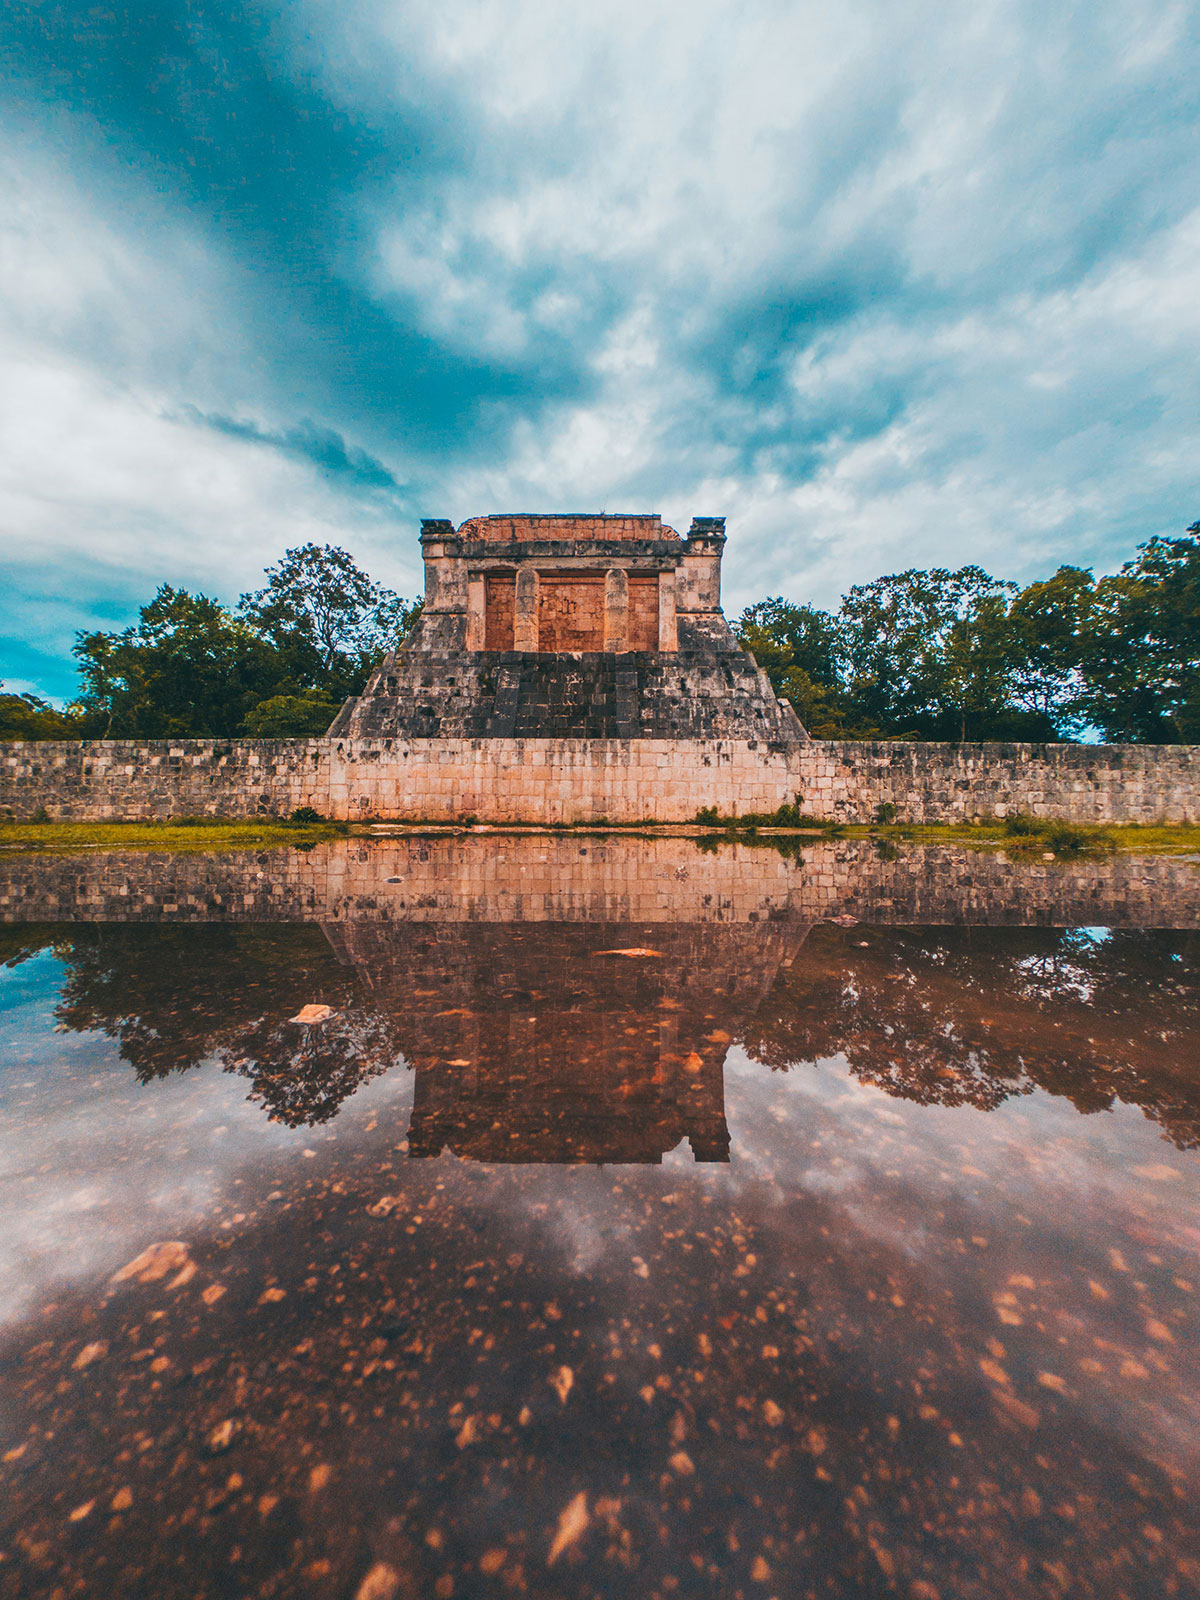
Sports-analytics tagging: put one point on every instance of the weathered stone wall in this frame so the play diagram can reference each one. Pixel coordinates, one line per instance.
(850, 779)
(513, 779)
(644, 882)
(525, 527)
(147, 780)
(552, 780)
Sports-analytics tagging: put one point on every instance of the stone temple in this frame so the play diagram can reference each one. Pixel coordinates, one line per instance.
(569, 628)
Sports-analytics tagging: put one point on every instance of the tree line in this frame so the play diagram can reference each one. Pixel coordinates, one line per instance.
(278, 665)
(947, 655)
(922, 654)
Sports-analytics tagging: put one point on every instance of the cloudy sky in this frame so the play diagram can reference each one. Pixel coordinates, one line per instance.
(886, 282)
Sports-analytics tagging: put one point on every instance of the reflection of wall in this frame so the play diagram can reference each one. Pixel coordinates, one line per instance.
(537, 1043)
(611, 878)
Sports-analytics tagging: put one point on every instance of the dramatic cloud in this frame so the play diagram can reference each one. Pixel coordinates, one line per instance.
(884, 284)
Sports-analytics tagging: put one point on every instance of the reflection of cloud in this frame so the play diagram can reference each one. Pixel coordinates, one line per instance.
(886, 286)
(972, 1198)
(104, 1166)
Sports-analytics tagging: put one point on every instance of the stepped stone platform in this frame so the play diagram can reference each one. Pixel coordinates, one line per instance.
(571, 627)
(515, 695)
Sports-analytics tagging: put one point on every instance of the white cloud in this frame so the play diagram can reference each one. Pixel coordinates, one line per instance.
(886, 285)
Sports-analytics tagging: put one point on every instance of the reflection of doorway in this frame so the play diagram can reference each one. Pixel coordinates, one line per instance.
(571, 611)
(498, 611)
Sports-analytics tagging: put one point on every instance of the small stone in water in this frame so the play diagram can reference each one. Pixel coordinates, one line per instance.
(572, 1524)
(380, 1583)
(155, 1261)
(223, 1435)
(314, 1013)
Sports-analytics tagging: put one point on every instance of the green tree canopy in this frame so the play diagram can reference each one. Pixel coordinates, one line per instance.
(290, 716)
(327, 617)
(28, 716)
(278, 668)
(186, 668)
(1141, 646)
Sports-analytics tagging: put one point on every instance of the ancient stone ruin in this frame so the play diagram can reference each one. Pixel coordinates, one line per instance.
(579, 669)
(571, 627)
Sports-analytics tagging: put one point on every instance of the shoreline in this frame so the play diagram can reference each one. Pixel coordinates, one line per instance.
(64, 837)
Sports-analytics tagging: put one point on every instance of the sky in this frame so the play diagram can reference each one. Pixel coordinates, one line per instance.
(886, 283)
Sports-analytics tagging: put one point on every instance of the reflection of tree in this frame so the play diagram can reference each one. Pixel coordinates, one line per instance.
(960, 1016)
(301, 1074)
(529, 1038)
(172, 997)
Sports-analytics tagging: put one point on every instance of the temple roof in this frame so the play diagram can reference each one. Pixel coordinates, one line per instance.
(524, 526)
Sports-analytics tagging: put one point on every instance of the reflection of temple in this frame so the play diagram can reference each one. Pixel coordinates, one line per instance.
(537, 1042)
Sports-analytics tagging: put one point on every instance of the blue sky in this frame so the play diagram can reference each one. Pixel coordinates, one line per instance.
(886, 284)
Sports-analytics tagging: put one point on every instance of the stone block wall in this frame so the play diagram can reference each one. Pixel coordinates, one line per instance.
(848, 780)
(130, 780)
(523, 528)
(555, 780)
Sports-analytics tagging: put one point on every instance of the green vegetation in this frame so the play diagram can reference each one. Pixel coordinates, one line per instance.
(788, 815)
(962, 655)
(1025, 836)
(278, 666)
(180, 833)
(1019, 835)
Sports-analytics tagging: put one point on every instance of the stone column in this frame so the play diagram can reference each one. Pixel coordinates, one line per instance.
(525, 610)
(476, 612)
(668, 632)
(616, 609)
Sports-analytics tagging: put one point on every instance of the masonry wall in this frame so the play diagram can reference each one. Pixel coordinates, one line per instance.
(850, 779)
(148, 780)
(587, 780)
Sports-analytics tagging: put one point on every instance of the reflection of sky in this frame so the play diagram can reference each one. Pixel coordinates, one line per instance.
(1082, 1229)
(1036, 1190)
(93, 1166)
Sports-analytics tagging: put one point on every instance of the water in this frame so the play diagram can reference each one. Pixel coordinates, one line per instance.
(626, 1230)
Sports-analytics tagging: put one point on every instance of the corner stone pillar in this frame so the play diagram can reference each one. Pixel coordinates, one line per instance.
(616, 609)
(668, 631)
(476, 613)
(525, 610)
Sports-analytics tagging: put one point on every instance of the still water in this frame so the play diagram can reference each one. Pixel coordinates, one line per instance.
(629, 1227)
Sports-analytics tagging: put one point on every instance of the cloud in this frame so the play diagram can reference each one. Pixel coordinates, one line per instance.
(883, 284)
(324, 447)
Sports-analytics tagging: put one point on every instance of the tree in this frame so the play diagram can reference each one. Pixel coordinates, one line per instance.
(187, 668)
(1141, 650)
(928, 653)
(290, 716)
(28, 716)
(797, 646)
(327, 617)
(1050, 622)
